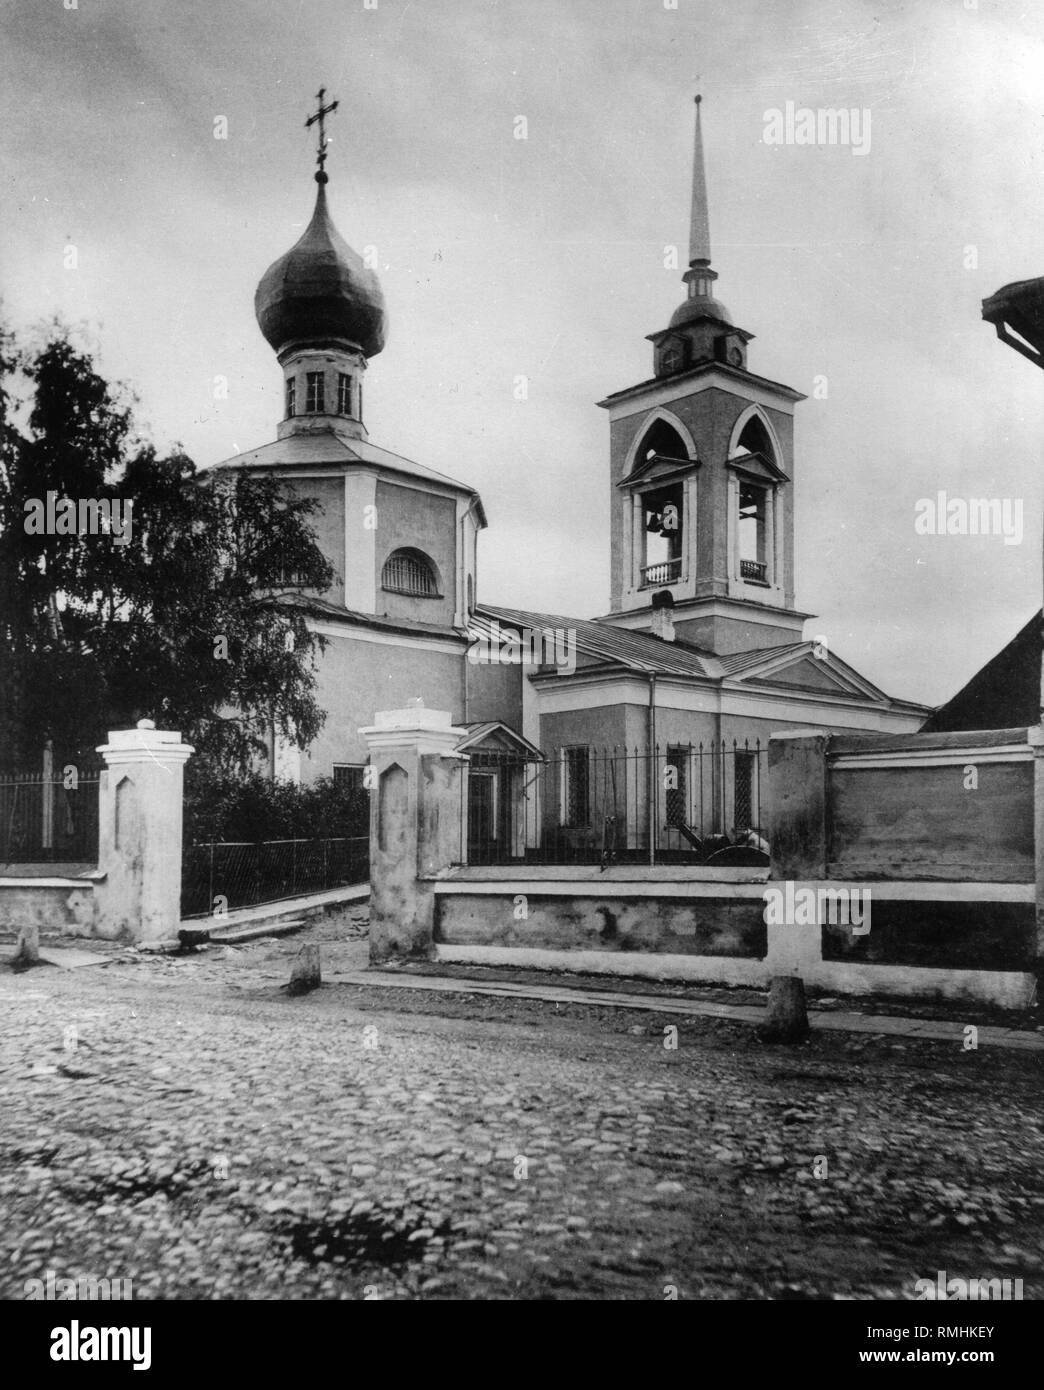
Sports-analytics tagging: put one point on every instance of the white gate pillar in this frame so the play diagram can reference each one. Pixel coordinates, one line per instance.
(415, 825)
(139, 834)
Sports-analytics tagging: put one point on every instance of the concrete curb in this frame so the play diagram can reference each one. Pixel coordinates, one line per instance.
(833, 1022)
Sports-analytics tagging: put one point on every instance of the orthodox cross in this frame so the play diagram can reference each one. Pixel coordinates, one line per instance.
(320, 116)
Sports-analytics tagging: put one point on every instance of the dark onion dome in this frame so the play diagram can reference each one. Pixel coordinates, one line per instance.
(700, 307)
(321, 290)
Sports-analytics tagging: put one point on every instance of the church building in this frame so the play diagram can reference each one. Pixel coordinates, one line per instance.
(702, 649)
(400, 537)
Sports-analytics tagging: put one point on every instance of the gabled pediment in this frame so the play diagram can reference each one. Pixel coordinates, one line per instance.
(757, 467)
(811, 674)
(496, 737)
(800, 669)
(658, 468)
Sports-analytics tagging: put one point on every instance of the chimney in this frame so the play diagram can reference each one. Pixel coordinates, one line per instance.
(662, 622)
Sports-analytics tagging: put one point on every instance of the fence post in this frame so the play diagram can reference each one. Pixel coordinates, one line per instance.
(1036, 741)
(414, 825)
(47, 806)
(139, 834)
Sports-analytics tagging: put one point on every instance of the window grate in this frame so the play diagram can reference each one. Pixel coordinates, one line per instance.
(409, 572)
(576, 787)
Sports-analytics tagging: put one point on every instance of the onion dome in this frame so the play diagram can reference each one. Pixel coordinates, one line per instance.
(321, 292)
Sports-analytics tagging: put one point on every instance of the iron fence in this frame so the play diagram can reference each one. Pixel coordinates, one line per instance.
(673, 804)
(49, 818)
(242, 874)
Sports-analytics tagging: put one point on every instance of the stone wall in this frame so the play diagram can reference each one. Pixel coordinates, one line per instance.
(55, 906)
(674, 925)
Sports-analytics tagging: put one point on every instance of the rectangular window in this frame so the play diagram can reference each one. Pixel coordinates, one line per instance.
(291, 397)
(350, 779)
(344, 394)
(349, 775)
(316, 404)
(662, 521)
(576, 787)
(286, 575)
(743, 792)
(753, 532)
(676, 785)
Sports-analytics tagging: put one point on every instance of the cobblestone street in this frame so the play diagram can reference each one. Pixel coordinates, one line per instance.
(183, 1123)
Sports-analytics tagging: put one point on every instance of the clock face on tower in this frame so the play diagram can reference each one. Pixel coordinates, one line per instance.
(736, 356)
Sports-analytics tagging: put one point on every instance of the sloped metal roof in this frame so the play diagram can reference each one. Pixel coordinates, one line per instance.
(323, 608)
(641, 651)
(327, 446)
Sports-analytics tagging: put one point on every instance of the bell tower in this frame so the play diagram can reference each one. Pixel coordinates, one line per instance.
(701, 469)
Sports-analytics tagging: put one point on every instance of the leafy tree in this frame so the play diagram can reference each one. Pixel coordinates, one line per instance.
(183, 618)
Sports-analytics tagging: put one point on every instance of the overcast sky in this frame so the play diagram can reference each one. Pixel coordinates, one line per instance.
(544, 257)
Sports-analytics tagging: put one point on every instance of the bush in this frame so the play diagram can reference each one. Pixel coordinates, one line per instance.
(222, 807)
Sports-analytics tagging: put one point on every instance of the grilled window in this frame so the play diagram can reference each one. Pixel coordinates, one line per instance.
(291, 397)
(409, 572)
(743, 791)
(288, 578)
(349, 775)
(675, 783)
(316, 402)
(344, 394)
(576, 787)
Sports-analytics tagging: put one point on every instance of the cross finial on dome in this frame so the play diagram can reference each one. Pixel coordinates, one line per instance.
(320, 115)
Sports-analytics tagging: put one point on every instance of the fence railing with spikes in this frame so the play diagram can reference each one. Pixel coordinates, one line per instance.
(678, 803)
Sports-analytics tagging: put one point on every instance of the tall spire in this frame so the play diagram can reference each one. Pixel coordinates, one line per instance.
(699, 278)
(699, 233)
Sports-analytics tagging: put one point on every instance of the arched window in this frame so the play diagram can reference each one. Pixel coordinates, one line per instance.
(756, 487)
(754, 439)
(662, 508)
(662, 440)
(410, 572)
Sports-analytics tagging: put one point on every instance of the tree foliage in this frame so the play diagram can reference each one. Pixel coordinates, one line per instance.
(188, 623)
(224, 807)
